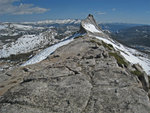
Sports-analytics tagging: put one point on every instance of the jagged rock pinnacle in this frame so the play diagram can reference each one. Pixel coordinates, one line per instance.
(89, 25)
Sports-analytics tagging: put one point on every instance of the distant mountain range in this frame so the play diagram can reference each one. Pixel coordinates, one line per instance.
(116, 27)
(137, 37)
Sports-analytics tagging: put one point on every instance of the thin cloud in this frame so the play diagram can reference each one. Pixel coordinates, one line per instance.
(100, 13)
(113, 9)
(7, 7)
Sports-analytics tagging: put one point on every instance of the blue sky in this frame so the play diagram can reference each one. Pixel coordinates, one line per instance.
(126, 11)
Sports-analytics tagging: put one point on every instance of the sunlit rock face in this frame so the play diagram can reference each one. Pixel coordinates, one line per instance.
(88, 75)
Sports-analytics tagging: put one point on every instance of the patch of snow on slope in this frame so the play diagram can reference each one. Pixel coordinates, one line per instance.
(24, 44)
(129, 54)
(2, 27)
(91, 28)
(46, 52)
(25, 27)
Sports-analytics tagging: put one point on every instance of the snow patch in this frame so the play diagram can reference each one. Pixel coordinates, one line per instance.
(91, 28)
(24, 44)
(2, 27)
(46, 52)
(131, 55)
(25, 27)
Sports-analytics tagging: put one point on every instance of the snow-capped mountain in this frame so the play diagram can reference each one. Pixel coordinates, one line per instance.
(131, 55)
(68, 21)
(27, 43)
(11, 29)
(90, 27)
(87, 72)
(22, 38)
(20, 41)
(32, 36)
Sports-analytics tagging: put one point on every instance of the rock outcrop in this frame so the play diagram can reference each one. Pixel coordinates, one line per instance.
(90, 27)
(81, 77)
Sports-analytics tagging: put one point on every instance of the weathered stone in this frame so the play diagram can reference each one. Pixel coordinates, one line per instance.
(80, 80)
(142, 77)
(138, 67)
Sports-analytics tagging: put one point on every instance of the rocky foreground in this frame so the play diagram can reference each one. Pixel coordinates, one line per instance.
(85, 76)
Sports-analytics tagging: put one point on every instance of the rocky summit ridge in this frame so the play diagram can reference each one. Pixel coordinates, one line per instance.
(85, 76)
(90, 27)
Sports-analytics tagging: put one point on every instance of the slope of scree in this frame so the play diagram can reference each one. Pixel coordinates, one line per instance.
(84, 76)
